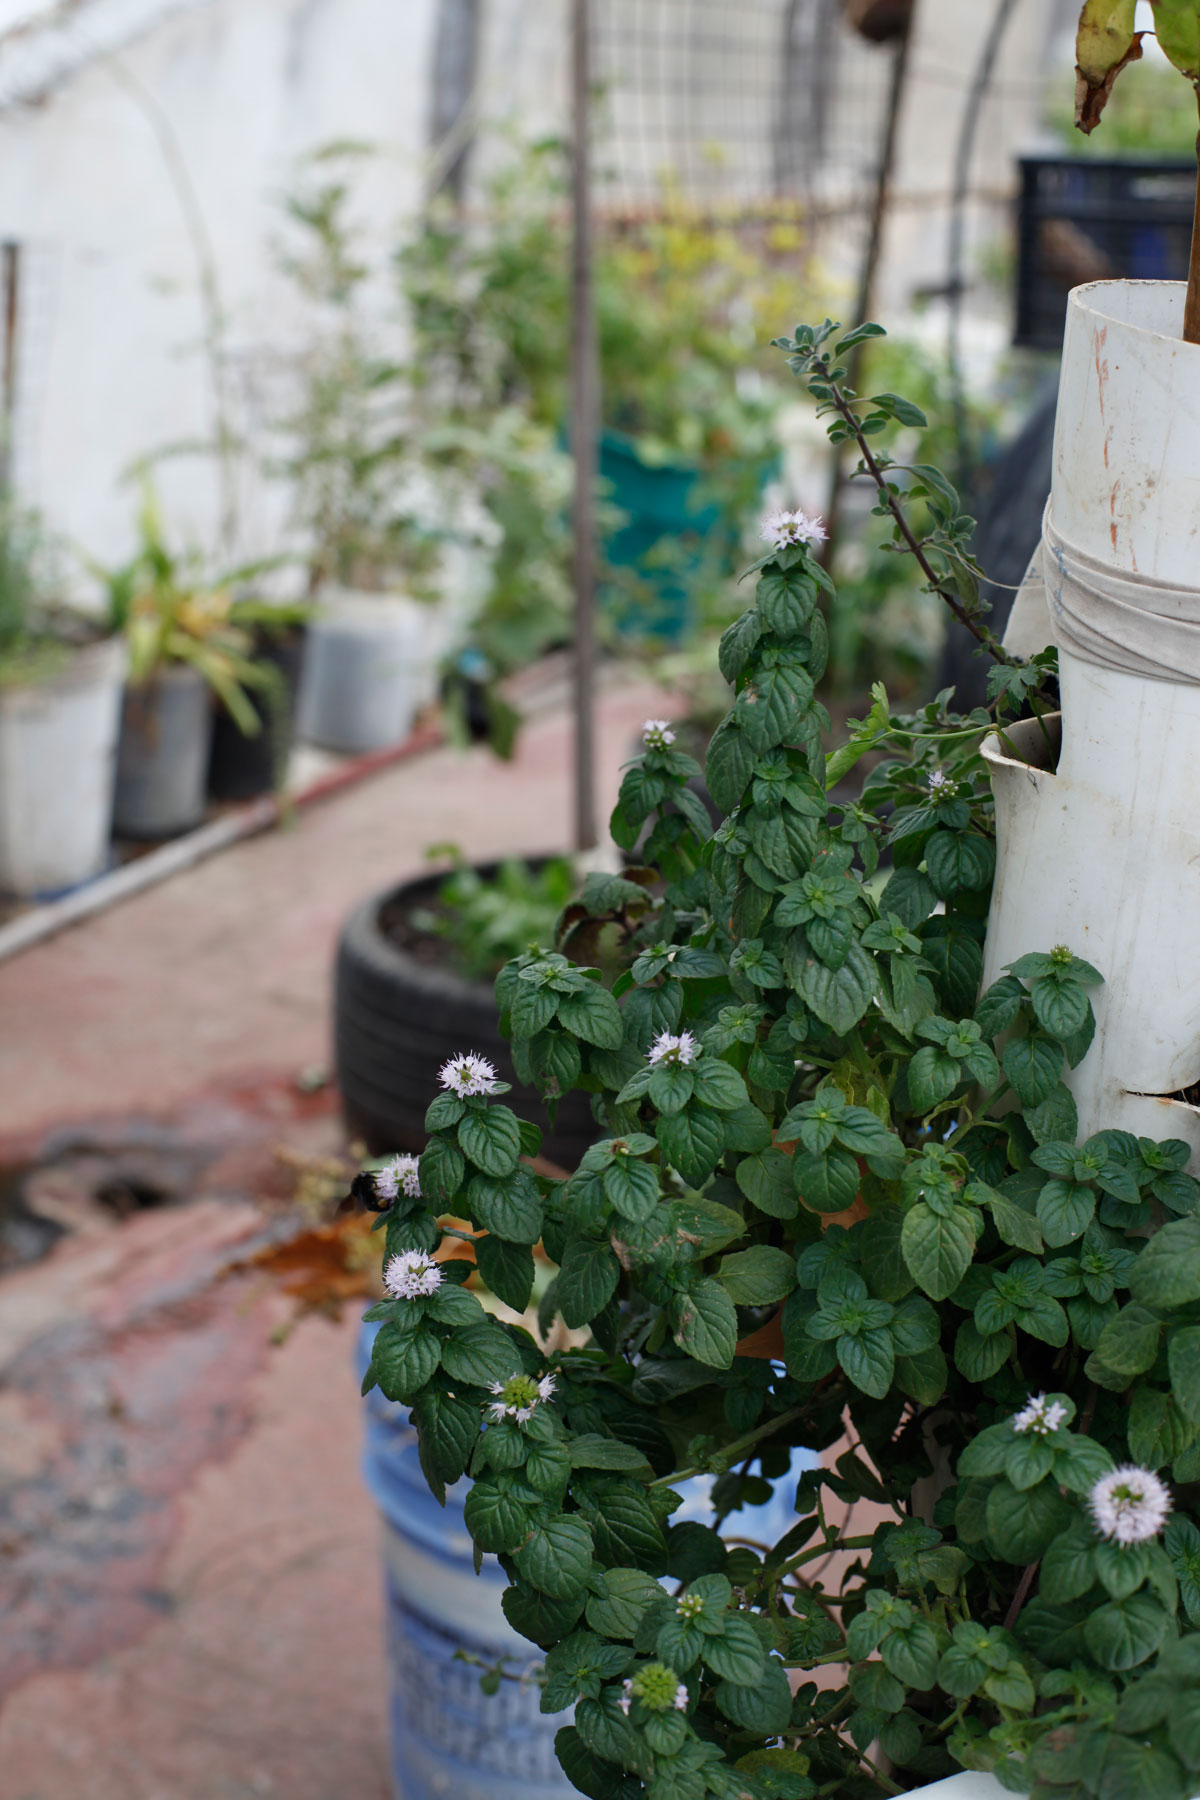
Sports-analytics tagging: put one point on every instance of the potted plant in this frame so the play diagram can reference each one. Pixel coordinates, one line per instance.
(357, 500)
(243, 765)
(183, 649)
(60, 693)
(415, 966)
(817, 1126)
(688, 436)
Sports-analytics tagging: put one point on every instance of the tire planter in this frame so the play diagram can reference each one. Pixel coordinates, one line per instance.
(397, 1020)
(58, 747)
(241, 767)
(450, 1740)
(162, 762)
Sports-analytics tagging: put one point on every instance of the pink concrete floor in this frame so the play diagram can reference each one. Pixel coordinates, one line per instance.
(189, 1572)
(225, 970)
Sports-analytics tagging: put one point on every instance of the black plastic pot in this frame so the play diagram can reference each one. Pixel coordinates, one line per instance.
(241, 767)
(397, 1020)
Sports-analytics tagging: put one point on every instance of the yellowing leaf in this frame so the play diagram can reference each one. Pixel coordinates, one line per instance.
(1105, 43)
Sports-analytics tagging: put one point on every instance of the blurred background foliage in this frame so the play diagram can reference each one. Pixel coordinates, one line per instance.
(431, 412)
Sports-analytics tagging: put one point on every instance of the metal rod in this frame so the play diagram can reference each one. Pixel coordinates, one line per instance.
(1191, 304)
(585, 411)
(869, 268)
(10, 280)
(981, 80)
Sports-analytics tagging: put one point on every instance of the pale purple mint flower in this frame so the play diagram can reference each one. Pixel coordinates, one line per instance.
(1130, 1505)
(680, 1701)
(626, 1700)
(657, 734)
(780, 529)
(1038, 1417)
(942, 786)
(518, 1396)
(412, 1275)
(677, 1051)
(468, 1074)
(398, 1176)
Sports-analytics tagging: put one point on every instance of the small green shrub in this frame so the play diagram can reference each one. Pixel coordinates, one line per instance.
(809, 1118)
(484, 921)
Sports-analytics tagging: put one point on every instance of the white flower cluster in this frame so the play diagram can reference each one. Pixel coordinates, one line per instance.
(783, 528)
(411, 1275)
(657, 734)
(1039, 1417)
(468, 1074)
(518, 1396)
(679, 1051)
(398, 1176)
(1130, 1505)
(679, 1703)
(942, 786)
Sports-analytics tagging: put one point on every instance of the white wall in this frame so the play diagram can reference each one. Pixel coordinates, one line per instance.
(110, 361)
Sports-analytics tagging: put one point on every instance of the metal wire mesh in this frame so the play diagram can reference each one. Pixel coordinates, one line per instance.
(763, 105)
(718, 106)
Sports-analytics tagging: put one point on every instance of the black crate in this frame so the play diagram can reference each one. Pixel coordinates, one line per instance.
(1089, 219)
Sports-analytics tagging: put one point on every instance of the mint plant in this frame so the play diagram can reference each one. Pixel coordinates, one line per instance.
(837, 1197)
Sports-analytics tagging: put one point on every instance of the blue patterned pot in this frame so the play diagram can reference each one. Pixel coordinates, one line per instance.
(450, 1740)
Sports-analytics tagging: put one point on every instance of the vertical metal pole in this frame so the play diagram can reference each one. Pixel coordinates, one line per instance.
(10, 291)
(872, 253)
(584, 427)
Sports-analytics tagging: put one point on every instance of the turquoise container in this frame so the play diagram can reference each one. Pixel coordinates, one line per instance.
(672, 537)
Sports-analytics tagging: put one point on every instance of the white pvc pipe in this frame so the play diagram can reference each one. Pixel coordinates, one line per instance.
(1103, 853)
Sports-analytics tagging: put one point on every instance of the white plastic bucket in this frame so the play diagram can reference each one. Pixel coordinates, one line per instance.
(362, 672)
(58, 744)
(1102, 853)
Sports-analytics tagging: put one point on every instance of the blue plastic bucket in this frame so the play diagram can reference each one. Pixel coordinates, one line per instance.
(450, 1740)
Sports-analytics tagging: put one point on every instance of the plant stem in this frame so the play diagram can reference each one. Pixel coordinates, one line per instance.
(208, 281)
(878, 1773)
(824, 1548)
(731, 1452)
(978, 631)
(1191, 306)
(1021, 1595)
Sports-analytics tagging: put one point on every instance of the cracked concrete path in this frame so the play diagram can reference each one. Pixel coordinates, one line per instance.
(190, 1582)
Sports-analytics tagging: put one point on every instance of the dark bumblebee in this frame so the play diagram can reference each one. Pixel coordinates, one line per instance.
(363, 1189)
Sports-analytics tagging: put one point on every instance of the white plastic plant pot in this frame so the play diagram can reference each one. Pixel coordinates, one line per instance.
(970, 1785)
(362, 671)
(58, 746)
(1098, 847)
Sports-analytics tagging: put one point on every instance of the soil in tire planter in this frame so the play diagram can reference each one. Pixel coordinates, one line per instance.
(400, 1013)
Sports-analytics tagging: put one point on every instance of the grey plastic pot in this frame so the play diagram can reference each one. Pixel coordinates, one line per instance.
(362, 671)
(58, 745)
(162, 764)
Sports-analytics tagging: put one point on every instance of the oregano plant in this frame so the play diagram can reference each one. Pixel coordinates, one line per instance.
(837, 1200)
